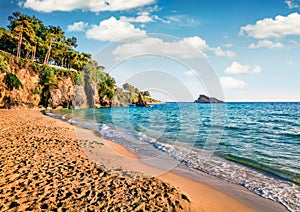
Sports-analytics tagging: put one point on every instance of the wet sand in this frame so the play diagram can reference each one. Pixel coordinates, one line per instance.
(44, 165)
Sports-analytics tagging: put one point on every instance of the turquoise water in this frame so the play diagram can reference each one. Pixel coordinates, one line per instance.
(263, 135)
(256, 145)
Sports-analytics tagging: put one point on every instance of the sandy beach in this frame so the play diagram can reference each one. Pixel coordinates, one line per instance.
(45, 165)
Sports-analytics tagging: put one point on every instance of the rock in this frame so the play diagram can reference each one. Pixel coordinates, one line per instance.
(105, 101)
(205, 99)
(2, 95)
(97, 106)
(80, 98)
(141, 102)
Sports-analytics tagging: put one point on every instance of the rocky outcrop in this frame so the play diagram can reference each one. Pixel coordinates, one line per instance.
(26, 96)
(141, 102)
(64, 93)
(205, 99)
(79, 99)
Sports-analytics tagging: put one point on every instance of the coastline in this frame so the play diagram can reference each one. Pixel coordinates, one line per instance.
(118, 162)
(207, 193)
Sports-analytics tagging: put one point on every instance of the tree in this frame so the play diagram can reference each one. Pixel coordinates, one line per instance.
(53, 34)
(146, 93)
(23, 30)
(48, 82)
(106, 90)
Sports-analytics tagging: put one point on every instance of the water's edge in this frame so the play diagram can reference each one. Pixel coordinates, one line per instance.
(262, 184)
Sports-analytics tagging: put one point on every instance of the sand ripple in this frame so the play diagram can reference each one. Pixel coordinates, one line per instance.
(42, 167)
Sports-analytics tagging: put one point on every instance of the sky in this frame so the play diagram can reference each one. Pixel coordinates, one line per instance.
(235, 50)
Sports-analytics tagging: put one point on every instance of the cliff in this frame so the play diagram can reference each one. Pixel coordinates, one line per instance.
(42, 85)
(48, 86)
(205, 99)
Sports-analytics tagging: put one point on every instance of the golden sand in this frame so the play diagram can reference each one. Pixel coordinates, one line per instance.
(42, 166)
(45, 165)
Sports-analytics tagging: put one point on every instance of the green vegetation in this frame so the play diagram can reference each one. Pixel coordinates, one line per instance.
(12, 82)
(44, 51)
(29, 38)
(3, 65)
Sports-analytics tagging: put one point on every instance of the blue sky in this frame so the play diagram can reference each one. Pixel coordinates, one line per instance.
(253, 46)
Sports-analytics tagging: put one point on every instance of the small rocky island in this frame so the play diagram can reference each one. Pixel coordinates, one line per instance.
(205, 99)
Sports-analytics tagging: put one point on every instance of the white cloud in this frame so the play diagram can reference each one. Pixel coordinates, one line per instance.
(277, 28)
(232, 83)
(157, 46)
(202, 46)
(77, 27)
(190, 47)
(237, 68)
(290, 62)
(291, 4)
(220, 52)
(144, 17)
(90, 5)
(197, 43)
(268, 44)
(113, 30)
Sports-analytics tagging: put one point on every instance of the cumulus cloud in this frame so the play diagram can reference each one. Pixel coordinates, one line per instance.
(190, 47)
(232, 83)
(277, 28)
(202, 46)
(77, 27)
(220, 52)
(268, 44)
(90, 5)
(197, 43)
(157, 46)
(113, 30)
(237, 68)
(291, 4)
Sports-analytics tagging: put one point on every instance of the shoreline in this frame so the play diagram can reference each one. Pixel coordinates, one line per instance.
(120, 161)
(191, 182)
(219, 195)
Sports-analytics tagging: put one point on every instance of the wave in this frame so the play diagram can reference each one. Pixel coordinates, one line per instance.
(288, 175)
(246, 172)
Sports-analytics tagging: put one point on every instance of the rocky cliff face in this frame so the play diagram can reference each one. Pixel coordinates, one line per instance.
(64, 94)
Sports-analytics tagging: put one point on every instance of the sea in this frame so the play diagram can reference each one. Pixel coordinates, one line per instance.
(255, 145)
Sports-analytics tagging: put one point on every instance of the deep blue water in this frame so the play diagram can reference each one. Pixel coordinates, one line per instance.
(256, 145)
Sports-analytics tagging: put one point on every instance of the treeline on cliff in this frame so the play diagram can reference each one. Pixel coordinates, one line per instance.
(29, 38)
(40, 67)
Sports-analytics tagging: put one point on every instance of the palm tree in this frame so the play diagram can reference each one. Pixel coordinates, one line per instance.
(12, 82)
